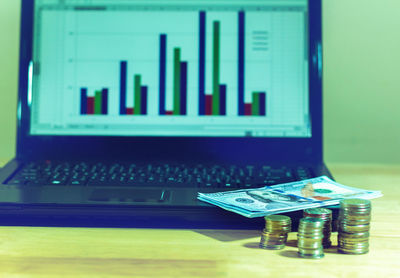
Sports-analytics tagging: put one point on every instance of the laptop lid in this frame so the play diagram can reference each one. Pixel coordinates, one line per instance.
(221, 81)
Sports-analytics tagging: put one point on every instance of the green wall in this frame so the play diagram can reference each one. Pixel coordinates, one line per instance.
(9, 39)
(361, 79)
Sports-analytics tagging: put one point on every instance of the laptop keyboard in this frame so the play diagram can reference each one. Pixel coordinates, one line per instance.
(177, 175)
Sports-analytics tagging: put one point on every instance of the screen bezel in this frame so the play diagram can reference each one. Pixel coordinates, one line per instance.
(221, 149)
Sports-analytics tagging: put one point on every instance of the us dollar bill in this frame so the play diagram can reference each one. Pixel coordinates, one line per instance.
(286, 197)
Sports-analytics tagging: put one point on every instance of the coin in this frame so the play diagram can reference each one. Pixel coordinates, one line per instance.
(353, 226)
(355, 203)
(309, 238)
(326, 215)
(277, 218)
(275, 234)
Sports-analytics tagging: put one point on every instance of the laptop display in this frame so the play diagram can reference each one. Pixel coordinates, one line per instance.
(198, 68)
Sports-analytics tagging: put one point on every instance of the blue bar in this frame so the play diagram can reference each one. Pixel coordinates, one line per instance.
(263, 104)
(163, 69)
(202, 63)
(241, 48)
(104, 101)
(183, 101)
(222, 99)
(122, 86)
(83, 101)
(143, 100)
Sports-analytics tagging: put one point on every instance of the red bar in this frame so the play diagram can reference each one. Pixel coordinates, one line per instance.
(209, 105)
(90, 105)
(129, 111)
(247, 109)
(169, 112)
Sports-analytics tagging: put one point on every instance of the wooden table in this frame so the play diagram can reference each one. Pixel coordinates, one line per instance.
(88, 252)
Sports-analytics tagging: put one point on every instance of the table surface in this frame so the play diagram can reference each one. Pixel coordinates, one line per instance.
(90, 252)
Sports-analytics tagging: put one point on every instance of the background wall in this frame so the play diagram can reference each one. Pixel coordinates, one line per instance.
(9, 40)
(361, 79)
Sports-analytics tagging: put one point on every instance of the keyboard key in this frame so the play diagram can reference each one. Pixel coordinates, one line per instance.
(165, 175)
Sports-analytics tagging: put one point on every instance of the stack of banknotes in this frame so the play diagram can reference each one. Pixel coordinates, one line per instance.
(286, 197)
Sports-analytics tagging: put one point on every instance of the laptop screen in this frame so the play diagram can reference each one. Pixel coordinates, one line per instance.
(216, 68)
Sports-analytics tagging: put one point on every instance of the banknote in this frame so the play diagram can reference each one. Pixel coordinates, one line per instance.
(257, 202)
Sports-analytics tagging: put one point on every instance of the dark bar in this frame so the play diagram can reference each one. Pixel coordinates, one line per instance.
(263, 104)
(183, 101)
(104, 101)
(163, 70)
(83, 101)
(209, 101)
(247, 109)
(222, 100)
(143, 100)
(241, 50)
(202, 62)
(122, 86)
(90, 105)
(169, 113)
(129, 111)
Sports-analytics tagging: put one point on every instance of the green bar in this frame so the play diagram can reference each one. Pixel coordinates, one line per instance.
(138, 94)
(177, 81)
(216, 94)
(255, 106)
(97, 102)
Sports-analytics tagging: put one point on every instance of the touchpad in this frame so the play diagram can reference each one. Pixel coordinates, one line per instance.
(130, 195)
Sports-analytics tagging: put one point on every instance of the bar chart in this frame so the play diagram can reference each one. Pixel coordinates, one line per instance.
(210, 103)
(95, 105)
(179, 81)
(176, 69)
(139, 107)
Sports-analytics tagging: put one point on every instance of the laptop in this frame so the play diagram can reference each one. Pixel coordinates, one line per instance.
(128, 108)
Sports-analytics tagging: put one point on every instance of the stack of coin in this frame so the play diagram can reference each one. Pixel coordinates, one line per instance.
(309, 238)
(354, 224)
(326, 216)
(275, 234)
